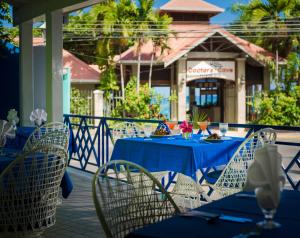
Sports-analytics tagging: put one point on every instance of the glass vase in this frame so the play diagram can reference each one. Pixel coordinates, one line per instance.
(187, 135)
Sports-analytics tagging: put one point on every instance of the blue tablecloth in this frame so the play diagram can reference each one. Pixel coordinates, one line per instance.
(287, 215)
(175, 154)
(18, 143)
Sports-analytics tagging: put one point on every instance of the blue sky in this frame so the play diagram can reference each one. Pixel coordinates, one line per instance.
(224, 17)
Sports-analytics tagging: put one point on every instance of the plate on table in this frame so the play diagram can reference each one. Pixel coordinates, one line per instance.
(160, 136)
(213, 140)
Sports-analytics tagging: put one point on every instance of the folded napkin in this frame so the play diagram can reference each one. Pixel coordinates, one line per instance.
(266, 177)
(6, 130)
(38, 116)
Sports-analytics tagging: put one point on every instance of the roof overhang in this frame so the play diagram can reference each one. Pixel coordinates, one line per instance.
(183, 52)
(25, 10)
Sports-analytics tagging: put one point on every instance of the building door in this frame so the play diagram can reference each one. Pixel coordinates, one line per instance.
(207, 95)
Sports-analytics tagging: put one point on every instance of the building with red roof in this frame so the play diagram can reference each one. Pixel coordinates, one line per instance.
(205, 65)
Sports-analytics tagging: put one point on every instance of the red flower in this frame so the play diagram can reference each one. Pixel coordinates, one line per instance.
(186, 127)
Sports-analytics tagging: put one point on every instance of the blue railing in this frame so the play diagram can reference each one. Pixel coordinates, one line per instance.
(92, 145)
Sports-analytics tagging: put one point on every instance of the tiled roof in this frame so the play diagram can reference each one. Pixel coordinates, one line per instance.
(187, 37)
(197, 6)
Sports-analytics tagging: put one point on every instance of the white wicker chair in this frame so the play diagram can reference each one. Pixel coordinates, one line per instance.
(6, 130)
(29, 189)
(126, 200)
(126, 130)
(188, 194)
(233, 176)
(54, 133)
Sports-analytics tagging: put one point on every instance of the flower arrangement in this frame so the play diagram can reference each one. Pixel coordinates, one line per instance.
(186, 129)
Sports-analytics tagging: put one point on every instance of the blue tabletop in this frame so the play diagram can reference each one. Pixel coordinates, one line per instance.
(175, 153)
(178, 226)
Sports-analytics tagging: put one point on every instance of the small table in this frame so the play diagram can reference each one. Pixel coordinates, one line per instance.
(178, 226)
(176, 154)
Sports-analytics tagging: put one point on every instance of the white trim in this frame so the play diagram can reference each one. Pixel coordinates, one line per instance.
(85, 81)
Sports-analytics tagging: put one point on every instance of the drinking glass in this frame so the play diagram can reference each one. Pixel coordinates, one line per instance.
(223, 128)
(268, 209)
(203, 126)
(147, 130)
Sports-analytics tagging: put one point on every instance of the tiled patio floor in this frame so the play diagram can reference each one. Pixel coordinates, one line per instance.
(76, 217)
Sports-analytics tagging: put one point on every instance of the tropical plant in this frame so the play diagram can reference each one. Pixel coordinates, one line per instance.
(273, 22)
(278, 107)
(197, 116)
(4, 17)
(160, 41)
(108, 81)
(143, 105)
(78, 102)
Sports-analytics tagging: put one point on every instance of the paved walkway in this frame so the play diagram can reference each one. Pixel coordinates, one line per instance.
(76, 216)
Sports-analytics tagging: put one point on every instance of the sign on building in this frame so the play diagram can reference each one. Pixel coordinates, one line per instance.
(210, 69)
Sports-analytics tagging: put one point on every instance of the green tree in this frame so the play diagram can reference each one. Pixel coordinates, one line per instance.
(143, 105)
(278, 108)
(271, 20)
(159, 41)
(4, 17)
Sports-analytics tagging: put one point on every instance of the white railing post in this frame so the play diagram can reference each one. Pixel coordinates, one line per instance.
(98, 105)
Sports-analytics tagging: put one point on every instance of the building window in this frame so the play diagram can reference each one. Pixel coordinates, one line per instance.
(207, 93)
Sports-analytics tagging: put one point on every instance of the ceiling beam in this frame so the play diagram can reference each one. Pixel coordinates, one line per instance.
(35, 8)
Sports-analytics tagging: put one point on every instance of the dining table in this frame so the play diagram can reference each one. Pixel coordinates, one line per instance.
(176, 154)
(14, 146)
(236, 216)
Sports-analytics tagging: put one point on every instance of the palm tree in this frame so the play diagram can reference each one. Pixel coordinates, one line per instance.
(116, 24)
(145, 16)
(160, 41)
(272, 17)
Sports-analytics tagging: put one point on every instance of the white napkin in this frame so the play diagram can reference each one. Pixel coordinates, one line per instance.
(38, 116)
(266, 177)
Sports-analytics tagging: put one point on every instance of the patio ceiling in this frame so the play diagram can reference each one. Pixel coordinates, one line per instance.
(25, 10)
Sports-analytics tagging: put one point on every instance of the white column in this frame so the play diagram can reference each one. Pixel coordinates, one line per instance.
(54, 67)
(181, 89)
(98, 105)
(241, 91)
(173, 89)
(26, 73)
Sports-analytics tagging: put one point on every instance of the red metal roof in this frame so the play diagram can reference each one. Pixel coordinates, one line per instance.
(196, 6)
(81, 72)
(187, 37)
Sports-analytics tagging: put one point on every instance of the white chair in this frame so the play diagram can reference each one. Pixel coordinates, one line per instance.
(188, 194)
(54, 133)
(233, 177)
(128, 197)
(29, 189)
(6, 130)
(127, 130)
